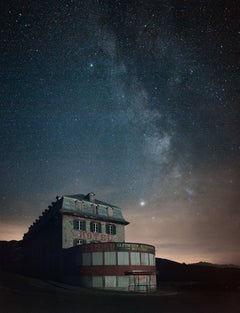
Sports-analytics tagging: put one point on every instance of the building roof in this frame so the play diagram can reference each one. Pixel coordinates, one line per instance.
(68, 205)
(92, 208)
(82, 197)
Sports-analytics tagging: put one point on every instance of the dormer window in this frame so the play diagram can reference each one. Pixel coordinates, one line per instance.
(95, 209)
(79, 205)
(110, 211)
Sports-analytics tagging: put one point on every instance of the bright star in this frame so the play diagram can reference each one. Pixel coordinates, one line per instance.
(142, 203)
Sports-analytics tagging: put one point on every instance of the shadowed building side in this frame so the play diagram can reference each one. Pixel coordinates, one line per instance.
(83, 239)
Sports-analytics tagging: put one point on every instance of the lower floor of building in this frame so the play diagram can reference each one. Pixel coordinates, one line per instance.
(135, 283)
(117, 266)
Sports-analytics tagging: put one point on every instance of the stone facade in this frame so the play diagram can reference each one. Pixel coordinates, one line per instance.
(70, 220)
(72, 236)
(85, 221)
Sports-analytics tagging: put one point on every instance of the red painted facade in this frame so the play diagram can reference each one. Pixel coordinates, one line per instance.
(117, 270)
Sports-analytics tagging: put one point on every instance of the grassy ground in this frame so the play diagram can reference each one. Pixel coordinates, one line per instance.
(19, 294)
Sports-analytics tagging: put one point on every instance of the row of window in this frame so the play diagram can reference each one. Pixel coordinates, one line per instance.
(79, 207)
(127, 282)
(95, 227)
(118, 258)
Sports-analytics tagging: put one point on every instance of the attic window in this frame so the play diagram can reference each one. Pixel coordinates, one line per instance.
(110, 211)
(79, 205)
(95, 209)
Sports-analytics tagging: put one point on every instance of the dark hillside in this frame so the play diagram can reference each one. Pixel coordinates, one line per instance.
(11, 255)
(202, 275)
(19, 294)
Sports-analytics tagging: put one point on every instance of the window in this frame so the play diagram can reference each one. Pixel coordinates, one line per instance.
(111, 229)
(79, 224)
(123, 258)
(144, 258)
(86, 259)
(78, 242)
(79, 205)
(110, 211)
(95, 227)
(135, 258)
(97, 258)
(110, 258)
(95, 209)
(151, 259)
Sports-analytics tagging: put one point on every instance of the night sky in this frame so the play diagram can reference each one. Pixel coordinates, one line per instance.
(136, 101)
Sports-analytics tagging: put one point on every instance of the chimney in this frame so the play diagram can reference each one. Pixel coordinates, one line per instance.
(91, 197)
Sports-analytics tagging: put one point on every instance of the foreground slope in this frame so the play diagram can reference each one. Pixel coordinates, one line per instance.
(19, 294)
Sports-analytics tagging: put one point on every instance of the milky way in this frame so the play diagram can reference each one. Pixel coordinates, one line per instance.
(136, 101)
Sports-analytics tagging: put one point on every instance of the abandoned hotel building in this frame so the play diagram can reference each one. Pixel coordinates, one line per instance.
(82, 240)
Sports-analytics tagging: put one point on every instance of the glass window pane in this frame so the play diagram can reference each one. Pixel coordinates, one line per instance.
(144, 258)
(86, 259)
(123, 281)
(110, 258)
(123, 258)
(135, 258)
(97, 258)
(151, 259)
(110, 281)
(97, 281)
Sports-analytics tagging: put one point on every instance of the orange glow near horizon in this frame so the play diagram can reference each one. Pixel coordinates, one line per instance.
(16, 232)
(12, 232)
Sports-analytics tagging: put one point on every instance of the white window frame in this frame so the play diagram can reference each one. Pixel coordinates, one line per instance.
(110, 229)
(80, 242)
(95, 227)
(80, 224)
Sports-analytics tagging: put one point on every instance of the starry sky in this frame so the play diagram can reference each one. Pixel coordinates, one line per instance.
(137, 101)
